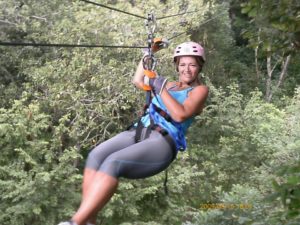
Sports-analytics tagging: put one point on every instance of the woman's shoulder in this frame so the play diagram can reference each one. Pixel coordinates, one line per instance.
(178, 86)
(198, 96)
(171, 84)
(201, 87)
(200, 90)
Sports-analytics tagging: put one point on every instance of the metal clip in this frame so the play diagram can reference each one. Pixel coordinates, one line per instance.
(149, 61)
(151, 23)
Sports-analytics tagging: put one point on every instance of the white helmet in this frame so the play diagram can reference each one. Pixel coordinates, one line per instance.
(189, 49)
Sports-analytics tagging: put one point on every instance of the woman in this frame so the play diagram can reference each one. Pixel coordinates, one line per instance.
(123, 156)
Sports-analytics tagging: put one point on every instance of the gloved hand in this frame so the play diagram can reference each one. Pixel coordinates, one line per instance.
(157, 84)
(159, 43)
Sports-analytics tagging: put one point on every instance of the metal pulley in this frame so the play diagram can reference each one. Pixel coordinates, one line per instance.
(154, 44)
(149, 61)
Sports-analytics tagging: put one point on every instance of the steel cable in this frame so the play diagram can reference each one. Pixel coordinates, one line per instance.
(114, 9)
(65, 45)
(179, 34)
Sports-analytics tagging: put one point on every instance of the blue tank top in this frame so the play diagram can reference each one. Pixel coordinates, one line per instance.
(176, 130)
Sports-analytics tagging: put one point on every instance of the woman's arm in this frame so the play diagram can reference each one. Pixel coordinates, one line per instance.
(138, 78)
(179, 112)
(192, 105)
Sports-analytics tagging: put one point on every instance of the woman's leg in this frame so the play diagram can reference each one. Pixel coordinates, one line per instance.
(96, 158)
(100, 190)
(138, 160)
(88, 177)
(141, 160)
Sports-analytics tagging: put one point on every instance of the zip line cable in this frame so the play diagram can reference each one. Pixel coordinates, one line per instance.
(205, 22)
(92, 46)
(14, 44)
(179, 14)
(176, 35)
(114, 9)
(132, 14)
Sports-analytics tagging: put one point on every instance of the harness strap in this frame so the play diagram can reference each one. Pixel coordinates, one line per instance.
(144, 132)
(163, 113)
(166, 183)
(163, 132)
(140, 134)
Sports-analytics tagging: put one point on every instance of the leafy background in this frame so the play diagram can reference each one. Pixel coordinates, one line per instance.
(57, 103)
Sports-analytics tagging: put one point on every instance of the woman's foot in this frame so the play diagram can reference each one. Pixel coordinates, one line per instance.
(67, 223)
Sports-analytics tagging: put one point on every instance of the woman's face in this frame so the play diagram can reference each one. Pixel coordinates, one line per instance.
(188, 69)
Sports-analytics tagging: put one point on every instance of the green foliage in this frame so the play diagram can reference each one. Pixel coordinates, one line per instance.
(33, 164)
(254, 145)
(58, 103)
(271, 30)
(83, 96)
(279, 18)
(288, 190)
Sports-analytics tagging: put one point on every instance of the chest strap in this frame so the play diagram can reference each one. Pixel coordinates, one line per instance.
(144, 132)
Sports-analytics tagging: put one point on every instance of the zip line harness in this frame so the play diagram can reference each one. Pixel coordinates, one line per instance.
(155, 112)
(159, 119)
(149, 63)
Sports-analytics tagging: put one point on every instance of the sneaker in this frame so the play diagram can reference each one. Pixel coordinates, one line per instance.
(67, 223)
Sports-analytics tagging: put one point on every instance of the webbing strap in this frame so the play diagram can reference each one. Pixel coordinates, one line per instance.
(163, 113)
(148, 99)
(141, 133)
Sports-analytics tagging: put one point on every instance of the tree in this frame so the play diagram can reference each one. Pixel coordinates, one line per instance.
(276, 34)
(57, 103)
(78, 98)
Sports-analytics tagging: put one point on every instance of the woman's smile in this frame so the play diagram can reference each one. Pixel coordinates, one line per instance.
(188, 69)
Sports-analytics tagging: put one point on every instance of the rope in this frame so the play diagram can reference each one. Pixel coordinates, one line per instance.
(105, 46)
(177, 35)
(179, 14)
(132, 14)
(66, 45)
(97, 46)
(166, 183)
(114, 9)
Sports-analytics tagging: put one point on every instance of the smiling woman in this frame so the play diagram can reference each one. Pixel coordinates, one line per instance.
(170, 113)
(189, 58)
(188, 69)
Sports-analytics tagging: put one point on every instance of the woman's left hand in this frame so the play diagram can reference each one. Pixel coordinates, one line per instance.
(158, 84)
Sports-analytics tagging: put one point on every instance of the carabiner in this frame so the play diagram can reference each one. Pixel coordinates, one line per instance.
(149, 62)
(151, 23)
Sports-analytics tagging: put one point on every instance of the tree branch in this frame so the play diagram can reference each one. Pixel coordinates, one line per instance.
(268, 82)
(39, 18)
(283, 71)
(282, 76)
(256, 57)
(7, 22)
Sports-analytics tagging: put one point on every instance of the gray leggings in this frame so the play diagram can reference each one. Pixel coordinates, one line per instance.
(120, 156)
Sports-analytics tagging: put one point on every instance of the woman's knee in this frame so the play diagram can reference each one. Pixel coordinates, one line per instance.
(95, 158)
(111, 166)
(132, 167)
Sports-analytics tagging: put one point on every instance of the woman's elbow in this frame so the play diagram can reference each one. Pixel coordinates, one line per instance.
(137, 83)
(179, 118)
(133, 81)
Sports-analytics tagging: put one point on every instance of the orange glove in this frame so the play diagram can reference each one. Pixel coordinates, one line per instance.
(159, 43)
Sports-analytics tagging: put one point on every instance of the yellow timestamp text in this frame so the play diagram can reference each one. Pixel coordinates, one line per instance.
(226, 206)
